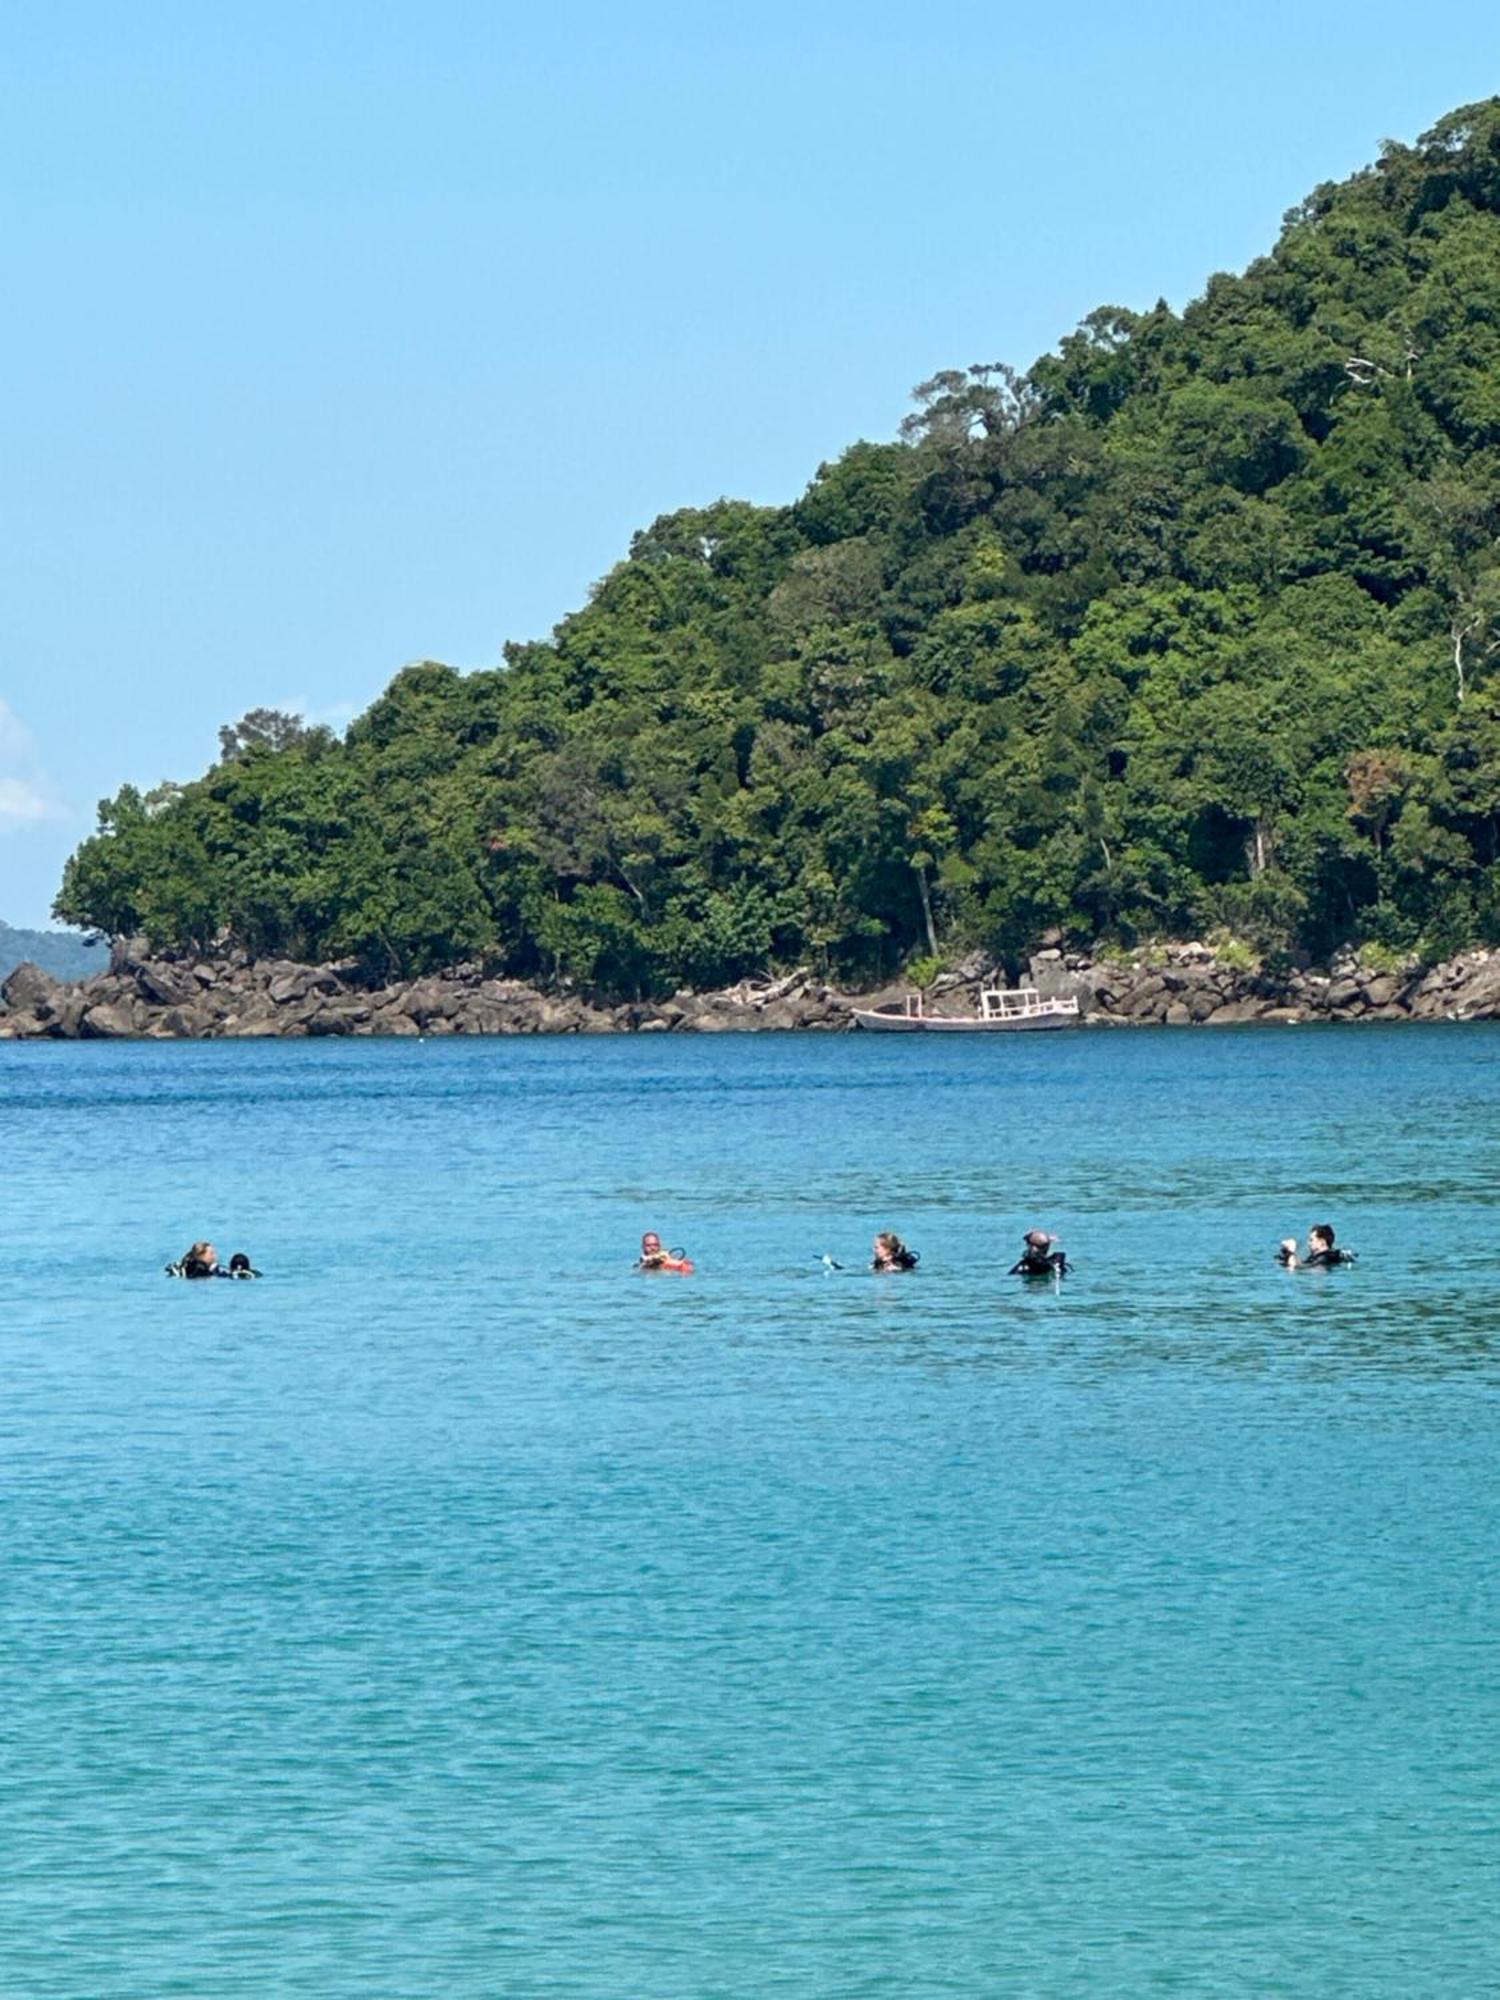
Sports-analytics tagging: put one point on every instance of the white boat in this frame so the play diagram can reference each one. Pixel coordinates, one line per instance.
(1001, 1010)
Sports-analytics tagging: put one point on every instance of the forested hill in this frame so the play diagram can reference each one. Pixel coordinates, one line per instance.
(1196, 624)
(65, 957)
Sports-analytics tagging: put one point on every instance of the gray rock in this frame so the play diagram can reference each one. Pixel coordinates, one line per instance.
(1146, 1003)
(563, 1017)
(165, 985)
(1055, 981)
(183, 1022)
(108, 1021)
(787, 1014)
(429, 1000)
(65, 1018)
(390, 1021)
(301, 981)
(126, 953)
(28, 988)
(328, 1020)
(1233, 1012)
(256, 1024)
(484, 1017)
(1479, 995)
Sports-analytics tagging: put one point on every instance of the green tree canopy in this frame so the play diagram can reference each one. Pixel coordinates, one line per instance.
(1195, 621)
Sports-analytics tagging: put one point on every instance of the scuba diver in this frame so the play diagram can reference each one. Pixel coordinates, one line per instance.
(1038, 1258)
(202, 1261)
(891, 1254)
(1323, 1254)
(654, 1258)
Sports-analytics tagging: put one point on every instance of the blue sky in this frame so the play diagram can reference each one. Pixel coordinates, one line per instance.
(340, 336)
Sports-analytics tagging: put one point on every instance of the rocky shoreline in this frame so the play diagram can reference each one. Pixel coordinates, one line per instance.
(231, 997)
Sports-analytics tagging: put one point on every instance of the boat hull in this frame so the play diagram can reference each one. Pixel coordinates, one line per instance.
(959, 1024)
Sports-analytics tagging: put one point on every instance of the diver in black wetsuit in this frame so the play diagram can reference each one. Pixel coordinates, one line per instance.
(202, 1261)
(891, 1254)
(1039, 1259)
(1322, 1254)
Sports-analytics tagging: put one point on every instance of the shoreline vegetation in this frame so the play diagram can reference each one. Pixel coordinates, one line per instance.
(149, 997)
(1190, 629)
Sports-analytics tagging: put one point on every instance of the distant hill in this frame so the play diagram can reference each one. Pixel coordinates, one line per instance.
(1191, 629)
(62, 953)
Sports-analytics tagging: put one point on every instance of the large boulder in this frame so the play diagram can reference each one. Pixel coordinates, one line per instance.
(428, 1000)
(64, 1016)
(184, 1023)
(485, 1017)
(302, 980)
(1479, 995)
(1054, 979)
(561, 1017)
(1146, 1001)
(1345, 995)
(28, 987)
(391, 1021)
(165, 985)
(256, 1021)
(108, 1021)
(128, 953)
(1235, 1011)
(336, 1019)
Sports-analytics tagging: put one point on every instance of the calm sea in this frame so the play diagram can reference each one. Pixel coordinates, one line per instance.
(454, 1613)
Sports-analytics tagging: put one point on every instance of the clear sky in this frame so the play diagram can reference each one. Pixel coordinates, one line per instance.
(337, 336)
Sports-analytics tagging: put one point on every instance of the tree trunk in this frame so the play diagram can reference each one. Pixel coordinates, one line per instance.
(1460, 633)
(921, 874)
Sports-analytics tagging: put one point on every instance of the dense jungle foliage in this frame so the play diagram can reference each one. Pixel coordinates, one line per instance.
(1193, 625)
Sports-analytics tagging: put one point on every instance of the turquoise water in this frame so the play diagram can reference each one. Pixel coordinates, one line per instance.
(454, 1613)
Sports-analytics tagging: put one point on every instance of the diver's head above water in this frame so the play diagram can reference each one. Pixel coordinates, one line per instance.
(652, 1253)
(891, 1254)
